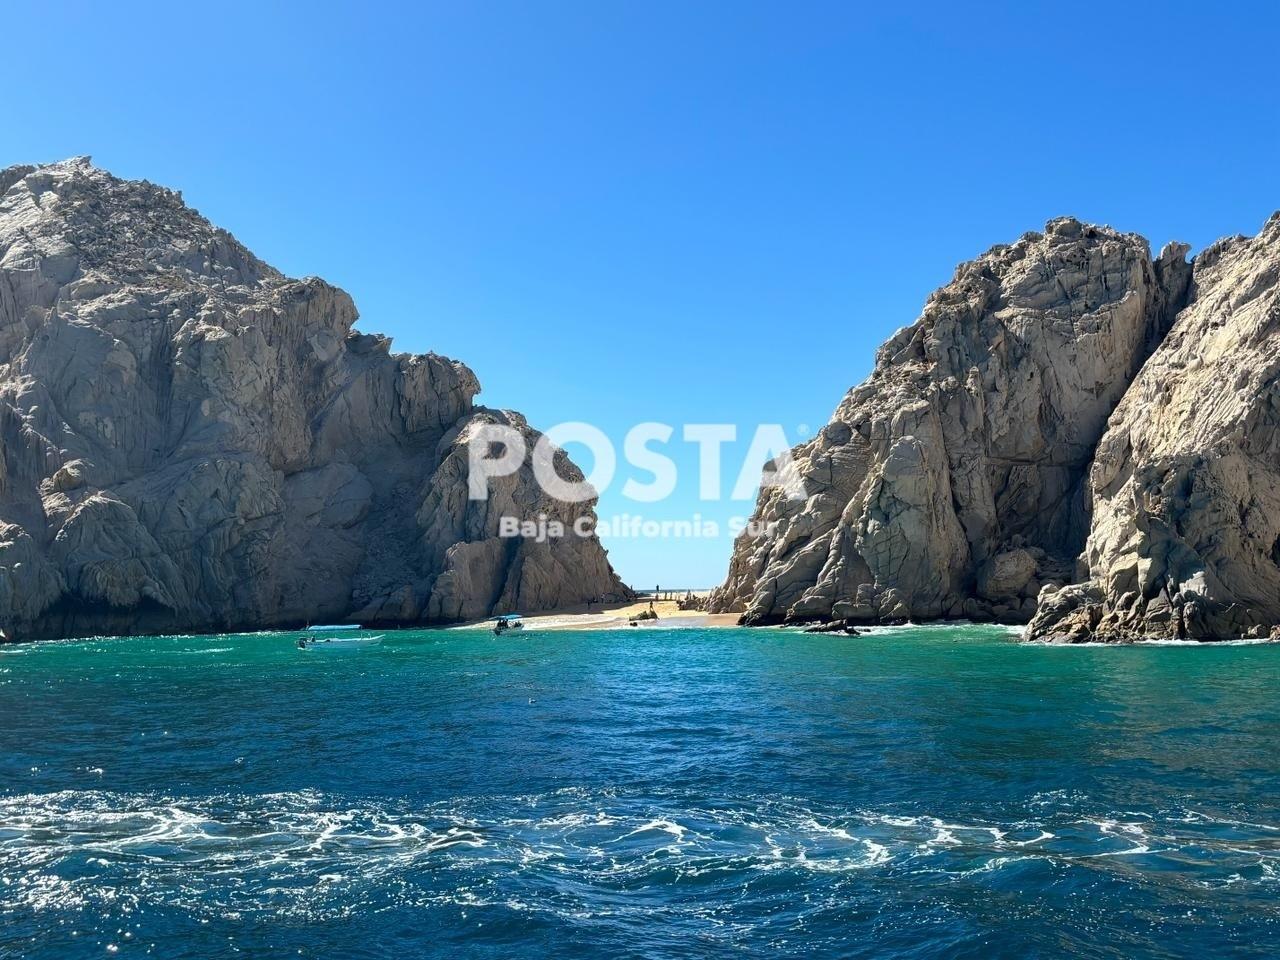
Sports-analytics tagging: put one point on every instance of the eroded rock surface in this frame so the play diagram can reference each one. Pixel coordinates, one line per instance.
(1185, 538)
(952, 482)
(193, 441)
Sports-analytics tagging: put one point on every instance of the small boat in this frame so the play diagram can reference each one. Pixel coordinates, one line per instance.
(338, 643)
(319, 642)
(507, 622)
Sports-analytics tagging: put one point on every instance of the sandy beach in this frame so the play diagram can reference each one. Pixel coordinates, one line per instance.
(610, 616)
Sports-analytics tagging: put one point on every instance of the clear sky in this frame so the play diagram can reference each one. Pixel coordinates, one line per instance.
(682, 212)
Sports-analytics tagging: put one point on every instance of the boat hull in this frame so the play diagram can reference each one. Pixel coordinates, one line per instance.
(337, 644)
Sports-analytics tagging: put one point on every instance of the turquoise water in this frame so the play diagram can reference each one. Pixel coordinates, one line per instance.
(922, 792)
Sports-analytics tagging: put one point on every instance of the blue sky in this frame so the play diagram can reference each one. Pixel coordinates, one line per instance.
(618, 213)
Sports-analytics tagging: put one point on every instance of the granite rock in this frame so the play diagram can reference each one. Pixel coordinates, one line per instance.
(193, 441)
(952, 483)
(1185, 534)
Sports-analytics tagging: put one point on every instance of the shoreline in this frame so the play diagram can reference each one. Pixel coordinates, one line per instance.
(622, 616)
(610, 616)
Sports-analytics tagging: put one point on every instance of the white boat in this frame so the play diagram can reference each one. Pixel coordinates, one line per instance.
(320, 641)
(338, 643)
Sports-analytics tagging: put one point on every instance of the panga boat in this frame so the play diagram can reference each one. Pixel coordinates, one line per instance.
(319, 642)
(506, 622)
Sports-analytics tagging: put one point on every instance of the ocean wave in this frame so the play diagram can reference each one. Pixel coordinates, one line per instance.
(316, 855)
(947, 627)
(1166, 642)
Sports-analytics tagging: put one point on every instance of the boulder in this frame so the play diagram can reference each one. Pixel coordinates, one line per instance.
(1006, 574)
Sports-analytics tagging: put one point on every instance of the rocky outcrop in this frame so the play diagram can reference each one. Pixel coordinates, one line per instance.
(952, 482)
(192, 441)
(1185, 538)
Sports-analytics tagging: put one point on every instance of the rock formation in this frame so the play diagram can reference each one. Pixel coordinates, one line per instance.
(192, 441)
(1185, 539)
(952, 483)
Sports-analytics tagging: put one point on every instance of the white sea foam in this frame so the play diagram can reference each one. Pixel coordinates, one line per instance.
(306, 853)
(1170, 642)
(939, 627)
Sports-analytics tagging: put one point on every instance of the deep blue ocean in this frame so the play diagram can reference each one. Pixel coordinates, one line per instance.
(918, 792)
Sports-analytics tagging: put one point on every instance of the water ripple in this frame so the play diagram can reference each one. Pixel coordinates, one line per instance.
(315, 855)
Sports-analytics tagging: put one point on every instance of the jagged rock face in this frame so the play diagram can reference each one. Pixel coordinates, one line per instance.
(951, 482)
(192, 441)
(1185, 537)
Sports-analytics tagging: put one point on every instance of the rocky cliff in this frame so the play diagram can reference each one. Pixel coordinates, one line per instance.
(1185, 538)
(952, 483)
(192, 441)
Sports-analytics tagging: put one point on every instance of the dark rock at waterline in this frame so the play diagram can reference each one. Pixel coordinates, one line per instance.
(833, 626)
